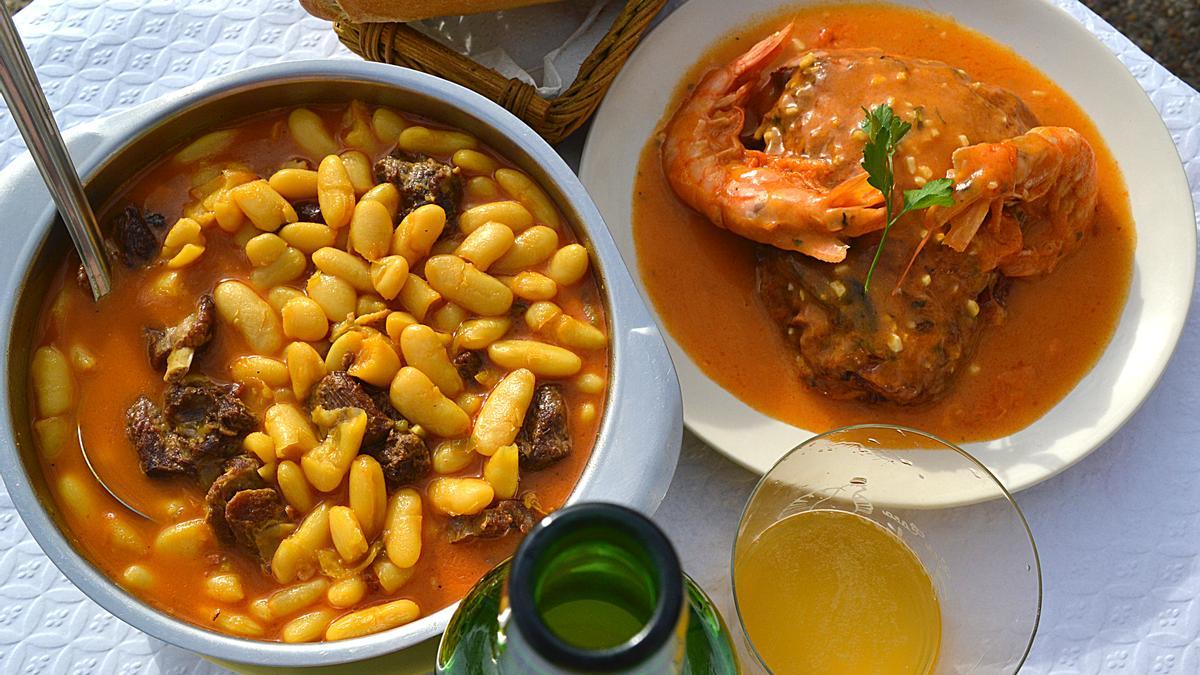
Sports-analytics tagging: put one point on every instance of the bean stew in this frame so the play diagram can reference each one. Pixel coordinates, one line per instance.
(350, 357)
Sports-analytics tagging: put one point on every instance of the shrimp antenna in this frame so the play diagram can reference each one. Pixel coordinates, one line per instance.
(913, 259)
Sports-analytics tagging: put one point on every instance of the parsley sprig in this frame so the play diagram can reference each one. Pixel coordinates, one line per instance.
(884, 131)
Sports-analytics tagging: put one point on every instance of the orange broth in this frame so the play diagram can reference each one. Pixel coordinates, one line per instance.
(702, 278)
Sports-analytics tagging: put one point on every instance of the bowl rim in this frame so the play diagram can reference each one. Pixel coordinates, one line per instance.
(642, 379)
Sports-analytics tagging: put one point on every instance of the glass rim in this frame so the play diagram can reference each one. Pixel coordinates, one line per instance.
(1004, 492)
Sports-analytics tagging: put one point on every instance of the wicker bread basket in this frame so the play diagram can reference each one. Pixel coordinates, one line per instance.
(554, 119)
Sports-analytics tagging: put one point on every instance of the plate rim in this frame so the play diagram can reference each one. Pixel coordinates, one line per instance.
(1171, 333)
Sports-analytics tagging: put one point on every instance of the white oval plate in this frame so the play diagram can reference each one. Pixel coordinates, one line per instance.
(1054, 42)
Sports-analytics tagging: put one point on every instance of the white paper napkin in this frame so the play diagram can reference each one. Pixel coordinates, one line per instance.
(527, 43)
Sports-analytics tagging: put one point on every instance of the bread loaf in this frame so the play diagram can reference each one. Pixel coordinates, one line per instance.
(378, 11)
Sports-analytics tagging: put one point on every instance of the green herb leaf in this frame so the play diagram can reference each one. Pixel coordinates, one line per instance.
(884, 132)
(878, 165)
(881, 124)
(938, 192)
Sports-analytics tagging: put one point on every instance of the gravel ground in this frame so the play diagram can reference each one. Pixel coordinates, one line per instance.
(1168, 30)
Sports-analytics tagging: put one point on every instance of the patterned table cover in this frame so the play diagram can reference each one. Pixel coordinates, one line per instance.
(1118, 532)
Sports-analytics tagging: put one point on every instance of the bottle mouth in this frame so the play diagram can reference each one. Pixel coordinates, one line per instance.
(596, 587)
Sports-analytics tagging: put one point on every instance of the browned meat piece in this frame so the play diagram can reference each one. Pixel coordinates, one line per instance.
(199, 401)
(543, 439)
(160, 453)
(241, 473)
(882, 346)
(138, 237)
(309, 212)
(422, 180)
(468, 364)
(383, 401)
(242, 510)
(201, 423)
(259, 521)
(172, 348)
(404, 457)
(339, 389)
(497, 521)
(939, 100)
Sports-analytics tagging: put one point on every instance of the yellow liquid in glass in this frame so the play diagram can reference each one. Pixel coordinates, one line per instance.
(830, 592)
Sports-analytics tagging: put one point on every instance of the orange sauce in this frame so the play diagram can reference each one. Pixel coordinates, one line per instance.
(111, 330)
(702, 278)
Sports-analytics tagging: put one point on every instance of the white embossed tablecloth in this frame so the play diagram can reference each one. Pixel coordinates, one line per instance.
(1119, 533)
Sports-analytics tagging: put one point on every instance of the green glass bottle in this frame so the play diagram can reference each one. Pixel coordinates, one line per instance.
(594, 588)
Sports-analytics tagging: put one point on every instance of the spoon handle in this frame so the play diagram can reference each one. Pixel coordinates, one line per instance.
(29, 108)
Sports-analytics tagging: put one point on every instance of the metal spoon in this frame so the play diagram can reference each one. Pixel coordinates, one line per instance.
(95, 474)
(27, 103)
(29, 109)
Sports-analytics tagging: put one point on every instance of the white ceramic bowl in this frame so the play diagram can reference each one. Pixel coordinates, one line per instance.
(1054, 42)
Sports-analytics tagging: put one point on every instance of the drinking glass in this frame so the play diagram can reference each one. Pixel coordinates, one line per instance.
(955, 516)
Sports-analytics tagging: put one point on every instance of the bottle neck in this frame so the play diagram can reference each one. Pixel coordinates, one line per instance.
(595, 588)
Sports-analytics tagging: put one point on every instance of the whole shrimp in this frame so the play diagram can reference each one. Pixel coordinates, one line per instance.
(771, 199)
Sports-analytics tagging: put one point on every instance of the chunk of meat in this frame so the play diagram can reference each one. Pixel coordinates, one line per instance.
(422, 180)
(402, 454)
(506, 516)
(544, 439)
(894, 343)
(468, 364)
(201, 422)
(405, 458)
(308, 212)
(160, 452)
(138, 236)
(244, 511)
(259, 520)
(339, 389)
(814, 119)
(199, 402)
(241, 473)
(173, 348)
(383, 402)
